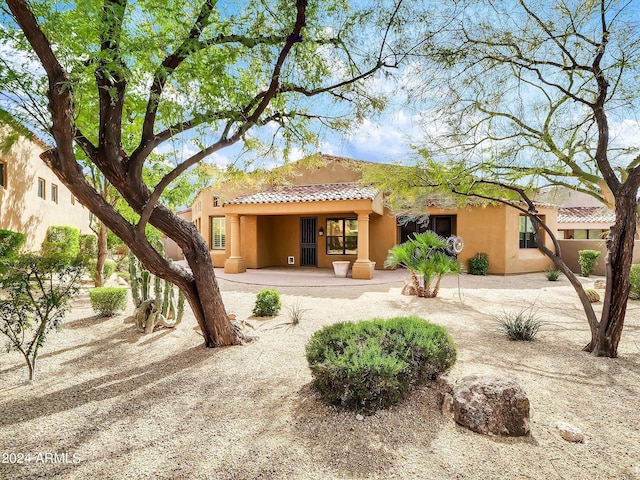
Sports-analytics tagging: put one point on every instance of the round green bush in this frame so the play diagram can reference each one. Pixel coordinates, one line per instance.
(634, 279)
(588, 260)
(108, 269)
(479, 265)
(106, 301)
(372, 364)
(267, 303)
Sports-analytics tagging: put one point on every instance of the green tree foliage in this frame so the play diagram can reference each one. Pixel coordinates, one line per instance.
(424, 255)
(35, 294)
(537, 93)
(62, 242)
(129, 84)
(10, 243)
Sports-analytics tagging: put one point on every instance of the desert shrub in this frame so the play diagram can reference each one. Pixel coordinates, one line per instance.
(588, 259)
(88, 245)
(62, 243)
(267, 303)
(295, 313)
(124, 275)
(37, 293)
(10, 243)
(372, 364)
(479, 265)
(106, 301)
(634, 279)
(108, 268)
(522, 325)
(592, 293)
(552, 274)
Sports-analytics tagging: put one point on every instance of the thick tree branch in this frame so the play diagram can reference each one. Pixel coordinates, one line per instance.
(111, 84)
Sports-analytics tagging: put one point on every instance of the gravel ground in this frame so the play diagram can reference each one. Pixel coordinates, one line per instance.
(109, 402)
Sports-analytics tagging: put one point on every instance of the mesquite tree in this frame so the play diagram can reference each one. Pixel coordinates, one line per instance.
(127, 79)
(538, 93)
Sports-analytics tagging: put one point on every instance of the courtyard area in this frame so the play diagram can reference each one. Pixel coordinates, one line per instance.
(123, 405)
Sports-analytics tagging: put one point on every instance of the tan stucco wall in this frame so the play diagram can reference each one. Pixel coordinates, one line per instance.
(271, 232)
(268, 240)
(570, 249)
(21, 210)
(494, 230)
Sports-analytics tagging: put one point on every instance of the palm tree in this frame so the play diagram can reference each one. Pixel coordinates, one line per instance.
(404, 255)
(424, 254)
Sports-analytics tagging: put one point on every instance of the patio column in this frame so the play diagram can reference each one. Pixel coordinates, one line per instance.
(363, 267)
(235, 263)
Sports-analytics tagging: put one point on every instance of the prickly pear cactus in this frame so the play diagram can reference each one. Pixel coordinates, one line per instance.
(593, 295)
(155, 311)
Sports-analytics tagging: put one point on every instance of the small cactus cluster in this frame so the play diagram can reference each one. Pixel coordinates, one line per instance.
(592, 294)
(160, 310)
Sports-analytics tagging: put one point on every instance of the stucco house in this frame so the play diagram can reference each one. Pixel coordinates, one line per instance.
(320, 214)
(31, 196)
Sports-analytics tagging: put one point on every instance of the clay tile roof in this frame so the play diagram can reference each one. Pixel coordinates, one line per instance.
(585, 215)
(307, 193)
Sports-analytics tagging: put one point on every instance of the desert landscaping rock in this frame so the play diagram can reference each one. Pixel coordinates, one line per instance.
(491, 405)
(570, 432)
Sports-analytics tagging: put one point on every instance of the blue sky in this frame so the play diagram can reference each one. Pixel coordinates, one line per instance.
(386, 137)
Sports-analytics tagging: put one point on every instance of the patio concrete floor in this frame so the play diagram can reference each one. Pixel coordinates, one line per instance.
(307, 277)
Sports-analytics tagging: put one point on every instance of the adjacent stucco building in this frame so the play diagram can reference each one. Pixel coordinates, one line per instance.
(320, 214)
(31, 196)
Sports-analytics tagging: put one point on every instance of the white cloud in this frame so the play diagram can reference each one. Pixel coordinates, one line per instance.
(626, 133)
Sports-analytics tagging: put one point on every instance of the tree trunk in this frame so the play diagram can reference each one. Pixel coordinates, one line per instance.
(204, 295)
(620, 242)
(200, 287)
(102, 253)
(31, 364)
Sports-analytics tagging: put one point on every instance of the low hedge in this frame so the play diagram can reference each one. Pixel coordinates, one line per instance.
(372, 364)
(106, 301)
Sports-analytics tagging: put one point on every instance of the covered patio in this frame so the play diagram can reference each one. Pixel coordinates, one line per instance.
(306, 226)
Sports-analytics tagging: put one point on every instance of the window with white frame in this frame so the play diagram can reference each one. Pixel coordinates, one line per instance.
(54, 193)
(218, 233)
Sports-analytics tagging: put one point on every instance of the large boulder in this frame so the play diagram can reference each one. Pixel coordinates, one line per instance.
(490, 404)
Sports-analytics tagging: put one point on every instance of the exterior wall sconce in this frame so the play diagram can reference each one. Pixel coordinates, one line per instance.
(321, 231)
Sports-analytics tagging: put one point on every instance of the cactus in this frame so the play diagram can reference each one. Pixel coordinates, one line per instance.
(592, 294)
(133, 279)
(153, 311)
